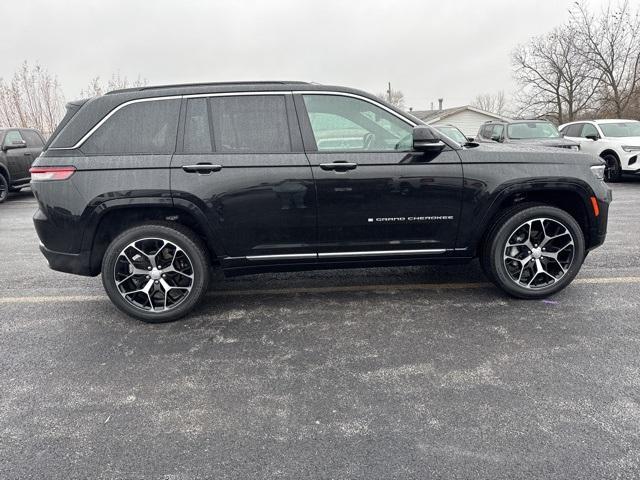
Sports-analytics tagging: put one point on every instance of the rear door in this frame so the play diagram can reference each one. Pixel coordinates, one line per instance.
(240, 160)
(376, 197)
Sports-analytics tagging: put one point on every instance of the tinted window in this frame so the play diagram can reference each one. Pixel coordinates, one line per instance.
(12, 136)
(486, 131)
(345, 123)
(142, 127)
(197, 137)
(573, 130)
(32, 138)
(589, 129)
(497, 131)
(250, 124)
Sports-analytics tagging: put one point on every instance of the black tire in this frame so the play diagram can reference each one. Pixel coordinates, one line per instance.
(4, 188)
(613, 170)
(181, 237)
(494, 248)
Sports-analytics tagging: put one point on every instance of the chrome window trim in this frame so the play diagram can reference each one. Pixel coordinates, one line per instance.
(374, 253)
(364, 253)
(86, 136)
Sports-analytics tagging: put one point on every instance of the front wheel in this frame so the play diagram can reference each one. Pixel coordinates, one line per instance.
(613, 170)
(535, 252)
(156, 272)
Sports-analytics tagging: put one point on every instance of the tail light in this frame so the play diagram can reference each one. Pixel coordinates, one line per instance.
(40, 174)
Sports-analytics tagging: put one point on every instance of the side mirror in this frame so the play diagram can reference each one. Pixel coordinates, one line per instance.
(592, 136)
(424, 140)
(16, 144)
(495, 138)
(470, 139)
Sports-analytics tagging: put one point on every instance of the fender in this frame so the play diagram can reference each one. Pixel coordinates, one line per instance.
(486, 208)
(98, 208)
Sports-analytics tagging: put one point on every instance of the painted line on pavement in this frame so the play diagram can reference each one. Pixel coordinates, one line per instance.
(311, 290)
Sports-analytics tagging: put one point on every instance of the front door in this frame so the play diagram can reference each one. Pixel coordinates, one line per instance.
(18, 155)
(376, 197)
(240, 159)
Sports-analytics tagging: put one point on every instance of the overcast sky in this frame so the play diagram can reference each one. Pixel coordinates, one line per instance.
(428, 49)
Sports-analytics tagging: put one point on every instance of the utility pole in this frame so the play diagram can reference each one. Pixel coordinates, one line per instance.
(389, 93)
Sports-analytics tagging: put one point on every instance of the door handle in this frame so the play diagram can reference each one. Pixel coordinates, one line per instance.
(339, 166)
(27, 154)
(202, 168)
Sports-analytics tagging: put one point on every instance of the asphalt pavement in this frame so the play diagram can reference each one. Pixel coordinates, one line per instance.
(417, 372)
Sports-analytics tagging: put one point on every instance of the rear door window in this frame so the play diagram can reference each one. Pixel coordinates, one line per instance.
(147, 127)
(250, 124)
(197, 133)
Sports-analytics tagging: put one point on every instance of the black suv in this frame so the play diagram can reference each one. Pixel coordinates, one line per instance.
(538, 133)
(20, 147)
(152, 186)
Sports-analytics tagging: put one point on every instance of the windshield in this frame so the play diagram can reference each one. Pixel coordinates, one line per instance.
(622, 129)
(521, 131)
(453, 133)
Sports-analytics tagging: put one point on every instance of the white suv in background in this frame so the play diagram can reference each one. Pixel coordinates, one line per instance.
(617, 142)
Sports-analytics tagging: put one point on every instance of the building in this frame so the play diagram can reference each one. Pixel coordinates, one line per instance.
(466, 118)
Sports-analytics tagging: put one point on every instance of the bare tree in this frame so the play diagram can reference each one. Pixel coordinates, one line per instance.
(610, 44)
(394, 97)
(33, 99)
(491, 102)
(116, 82)
(554, 78)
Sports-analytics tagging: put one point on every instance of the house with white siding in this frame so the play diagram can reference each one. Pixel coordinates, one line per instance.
(467, 118)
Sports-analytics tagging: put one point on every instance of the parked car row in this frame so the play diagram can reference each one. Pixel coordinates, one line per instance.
(616, 141)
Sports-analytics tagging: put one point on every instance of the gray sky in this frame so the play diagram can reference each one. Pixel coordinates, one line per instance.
(454, 49)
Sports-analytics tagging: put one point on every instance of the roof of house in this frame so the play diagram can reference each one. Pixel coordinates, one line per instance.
(430, 116)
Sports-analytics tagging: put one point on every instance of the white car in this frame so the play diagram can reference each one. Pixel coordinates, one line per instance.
(617, 142)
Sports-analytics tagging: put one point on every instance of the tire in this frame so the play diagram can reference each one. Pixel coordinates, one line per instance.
(525, 267)
(4, 188)
(613, 170)
(183, 266)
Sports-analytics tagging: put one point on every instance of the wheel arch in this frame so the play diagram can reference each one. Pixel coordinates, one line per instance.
(570, 197)
(4, 171)
(113, 217)
(609, 151)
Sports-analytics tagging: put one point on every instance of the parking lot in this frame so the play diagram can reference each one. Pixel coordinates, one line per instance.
(421, 372)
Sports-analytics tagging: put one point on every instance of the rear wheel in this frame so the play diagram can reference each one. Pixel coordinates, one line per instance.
(535, 251)
(613, 170)
(156, 272)
(4, 188)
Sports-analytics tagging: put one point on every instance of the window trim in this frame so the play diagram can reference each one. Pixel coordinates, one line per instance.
(87, 135)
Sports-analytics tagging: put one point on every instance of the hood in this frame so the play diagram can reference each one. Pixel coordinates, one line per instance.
(527, 153)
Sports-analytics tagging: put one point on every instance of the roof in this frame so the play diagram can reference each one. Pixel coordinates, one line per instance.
(186, 86)
(431, 116)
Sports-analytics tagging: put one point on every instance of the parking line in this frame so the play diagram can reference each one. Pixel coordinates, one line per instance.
(311, 290)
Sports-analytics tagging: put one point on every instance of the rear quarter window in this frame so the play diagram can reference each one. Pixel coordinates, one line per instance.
(147, 127)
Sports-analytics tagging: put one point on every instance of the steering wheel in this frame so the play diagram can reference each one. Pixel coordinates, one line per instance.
(367, 140)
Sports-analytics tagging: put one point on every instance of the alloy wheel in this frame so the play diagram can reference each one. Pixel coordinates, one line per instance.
(539, 253)
(154, 274)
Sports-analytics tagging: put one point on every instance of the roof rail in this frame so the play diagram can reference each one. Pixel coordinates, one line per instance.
(203, 84)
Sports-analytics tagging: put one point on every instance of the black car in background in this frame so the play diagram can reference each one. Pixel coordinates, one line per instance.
(19, 148)
(540, 133)
(153, 186)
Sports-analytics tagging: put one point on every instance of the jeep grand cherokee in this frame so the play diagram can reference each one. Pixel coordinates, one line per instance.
(150, 187)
